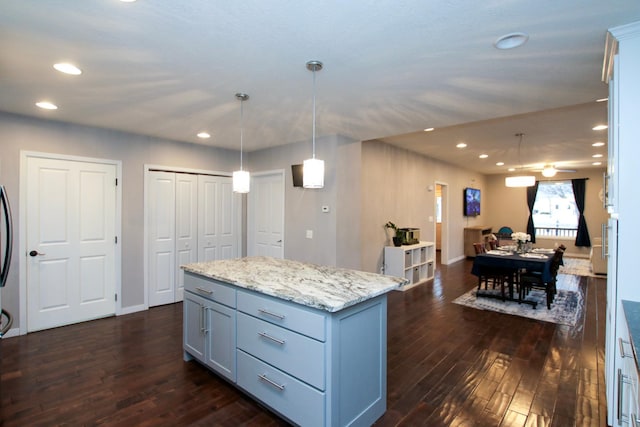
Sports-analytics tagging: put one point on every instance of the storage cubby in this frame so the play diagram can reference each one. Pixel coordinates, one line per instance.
(416, 263)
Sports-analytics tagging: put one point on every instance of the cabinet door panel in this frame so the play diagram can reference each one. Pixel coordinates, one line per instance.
(193, 333)
(221, 340)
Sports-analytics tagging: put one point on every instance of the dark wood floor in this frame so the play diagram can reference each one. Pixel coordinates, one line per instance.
(448, 365)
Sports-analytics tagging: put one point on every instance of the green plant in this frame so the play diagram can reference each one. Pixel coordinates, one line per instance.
(394, 227)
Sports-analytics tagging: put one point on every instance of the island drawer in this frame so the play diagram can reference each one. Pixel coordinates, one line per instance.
(210, 289)
(301, 403)
(286, 314)
(296, 354)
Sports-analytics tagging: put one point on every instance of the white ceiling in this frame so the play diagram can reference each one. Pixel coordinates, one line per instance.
(170, 69)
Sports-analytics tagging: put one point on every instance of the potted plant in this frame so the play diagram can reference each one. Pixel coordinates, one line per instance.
(397, 238)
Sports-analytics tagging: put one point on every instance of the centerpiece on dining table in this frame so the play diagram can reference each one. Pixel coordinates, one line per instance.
(521, 240)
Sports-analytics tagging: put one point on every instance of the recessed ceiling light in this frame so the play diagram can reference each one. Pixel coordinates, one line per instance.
(204, 135)
(602, 100)
(597, 144)
(511, 41)
(511, 169)
(461, 145)
(597, 156)
(600, 127)
(483, 156)
(67, 68)
(500, 164)
(596, 163)
(429, 129)
(46, 105)
(127, 1)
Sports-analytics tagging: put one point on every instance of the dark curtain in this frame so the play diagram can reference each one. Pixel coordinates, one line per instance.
(531, 199)
(579, 191)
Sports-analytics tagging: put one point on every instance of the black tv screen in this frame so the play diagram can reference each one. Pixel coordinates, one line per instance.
(296, 171)
(471, 202)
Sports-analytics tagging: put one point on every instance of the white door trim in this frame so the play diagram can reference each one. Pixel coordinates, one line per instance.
(444, 230)
(22, 215)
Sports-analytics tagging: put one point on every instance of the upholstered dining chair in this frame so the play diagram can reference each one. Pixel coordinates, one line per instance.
(529, 280)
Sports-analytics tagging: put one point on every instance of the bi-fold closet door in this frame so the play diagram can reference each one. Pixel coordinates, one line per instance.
(190, 218)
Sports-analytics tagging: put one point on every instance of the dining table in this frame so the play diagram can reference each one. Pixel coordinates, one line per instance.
(511, 262)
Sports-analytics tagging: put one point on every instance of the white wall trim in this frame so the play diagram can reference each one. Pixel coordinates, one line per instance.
(134, 309)
(22, 231)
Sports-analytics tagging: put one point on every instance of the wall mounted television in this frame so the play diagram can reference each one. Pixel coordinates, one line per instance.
(296, 172)
(471, 201)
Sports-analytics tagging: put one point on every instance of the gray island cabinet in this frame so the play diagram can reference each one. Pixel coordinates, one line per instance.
(308, 341)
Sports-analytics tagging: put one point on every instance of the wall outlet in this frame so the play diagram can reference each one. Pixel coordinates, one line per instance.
(325, 209)
(309, 234)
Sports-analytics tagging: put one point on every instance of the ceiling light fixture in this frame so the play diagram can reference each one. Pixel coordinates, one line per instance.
(602, 100)
(596, 163)
(549, 171)
(313, 169)
(429, 129)
(241, 178)
(46, 105)
(511, 41)
(461, 145)
(520, 180)
(600, 127)
(483, 156)
(500, 164)
(67, 68)
(597, 156)
(597, 144)
(203, 135)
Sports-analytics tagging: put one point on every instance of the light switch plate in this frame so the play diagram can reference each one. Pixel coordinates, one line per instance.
(309, 234)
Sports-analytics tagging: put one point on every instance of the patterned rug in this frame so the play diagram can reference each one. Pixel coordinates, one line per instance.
(578, 267)
(565, 310)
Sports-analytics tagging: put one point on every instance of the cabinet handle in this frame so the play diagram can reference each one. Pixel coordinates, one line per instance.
(204, 291)
(202, 316)
(269, 337)
(623, 353)
(605, 241)
(272, 383)
(622, 379)
(269, 313)
(605, 190)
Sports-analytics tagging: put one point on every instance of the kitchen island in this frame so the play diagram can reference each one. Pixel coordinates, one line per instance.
(308, 341)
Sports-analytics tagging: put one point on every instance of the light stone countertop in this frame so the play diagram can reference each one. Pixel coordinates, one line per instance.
(327, 288)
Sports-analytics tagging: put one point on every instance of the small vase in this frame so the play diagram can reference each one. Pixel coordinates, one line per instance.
(520, 247)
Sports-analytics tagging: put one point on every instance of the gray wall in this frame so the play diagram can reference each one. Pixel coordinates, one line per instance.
(395, 187)
(22, 133)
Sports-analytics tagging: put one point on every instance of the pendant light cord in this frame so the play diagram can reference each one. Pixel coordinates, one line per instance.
(313, 136)
(241, 128)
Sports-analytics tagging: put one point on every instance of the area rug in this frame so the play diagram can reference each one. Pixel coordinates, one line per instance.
(566, 307)
(577, 267)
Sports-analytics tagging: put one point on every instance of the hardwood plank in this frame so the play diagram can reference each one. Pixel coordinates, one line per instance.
(448, 365)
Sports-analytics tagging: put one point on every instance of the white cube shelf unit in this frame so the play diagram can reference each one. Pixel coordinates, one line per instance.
(416, 263)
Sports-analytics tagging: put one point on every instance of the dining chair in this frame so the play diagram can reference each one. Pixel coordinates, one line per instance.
(528, 280)
(493, 245)
(479, 248)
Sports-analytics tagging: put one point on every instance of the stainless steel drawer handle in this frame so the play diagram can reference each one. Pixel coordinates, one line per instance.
(204, 291)
(272, 383)
(269, 337)
(623, 353)
(269, 313)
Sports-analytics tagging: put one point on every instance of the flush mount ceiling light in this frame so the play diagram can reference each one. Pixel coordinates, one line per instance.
(203, 135)
(313, 169)
(511, 41)
(461, 145)
(483, 156)
(46, 105)
(241, 178)
(67, 68)
(429, 129)
(520, 180)
(600, 127)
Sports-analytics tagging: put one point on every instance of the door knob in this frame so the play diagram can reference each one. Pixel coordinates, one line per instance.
(36, 253)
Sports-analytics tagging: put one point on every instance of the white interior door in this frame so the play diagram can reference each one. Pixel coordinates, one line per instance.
(219, 219)
(161, 223)
(186, 227)
(265, 215)
(70, 236)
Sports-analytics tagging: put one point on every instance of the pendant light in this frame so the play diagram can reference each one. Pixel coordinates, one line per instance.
(520, 180)
(241, 178)
(313, 169)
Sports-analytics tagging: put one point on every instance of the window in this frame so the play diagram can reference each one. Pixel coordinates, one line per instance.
(555, 212)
